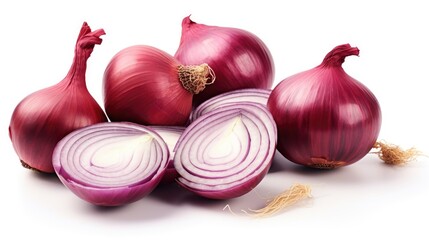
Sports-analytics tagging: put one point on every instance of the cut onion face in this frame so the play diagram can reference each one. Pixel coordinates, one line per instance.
(111, 164)
(170, 134)
(226, 152)
(254, 95)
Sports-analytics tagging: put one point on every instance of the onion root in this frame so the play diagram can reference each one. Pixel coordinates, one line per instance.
(285, 199)
(195, 78)
(394, 155)
(26, 165)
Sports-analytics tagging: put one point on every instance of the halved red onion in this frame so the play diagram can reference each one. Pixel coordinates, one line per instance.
(226, 152)
(255, 95)
(111, 164)
(171, 135)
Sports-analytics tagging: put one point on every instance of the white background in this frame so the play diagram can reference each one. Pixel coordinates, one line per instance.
(365, 200)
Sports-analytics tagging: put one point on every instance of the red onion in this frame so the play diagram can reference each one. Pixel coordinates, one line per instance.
(242, 95)
(44, 117)
(145, 85)
(325, 118)
(170, 134)
(226, 152)
(239, 58)
(111, 164)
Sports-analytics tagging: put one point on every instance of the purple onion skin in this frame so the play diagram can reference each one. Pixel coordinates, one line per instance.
(325, 118)
(139, 84)
(239, 58)
(112, 197)
(233, 192)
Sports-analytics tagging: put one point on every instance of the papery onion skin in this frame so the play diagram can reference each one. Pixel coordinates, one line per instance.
(226, 176)
(325, 118)
(254, 95)
(44, 117)
(239, 58)
(103, 185)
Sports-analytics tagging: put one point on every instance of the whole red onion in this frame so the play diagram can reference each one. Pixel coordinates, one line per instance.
(325, 118)
(44, 117)
(146, 85)
(239, 58)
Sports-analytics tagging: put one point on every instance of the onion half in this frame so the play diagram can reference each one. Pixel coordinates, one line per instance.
(226, 152)
(111, 164)
(254, 95)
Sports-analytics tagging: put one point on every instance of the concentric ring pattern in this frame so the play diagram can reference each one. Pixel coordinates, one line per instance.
(226, 152)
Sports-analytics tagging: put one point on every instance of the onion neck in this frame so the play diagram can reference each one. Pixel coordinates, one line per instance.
(76, 74)
(84, 47)
(188, 24)
(189, 27)
(196, 78)
(336, 56)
